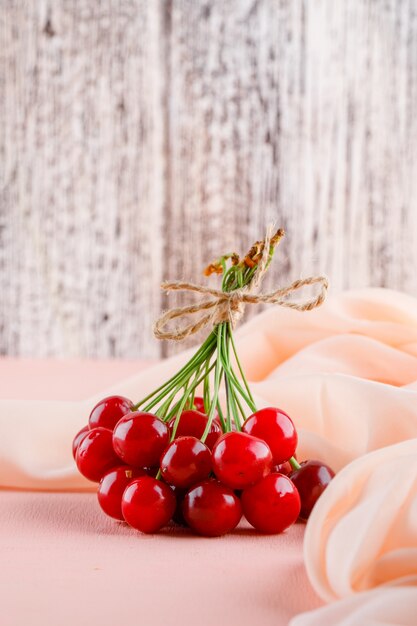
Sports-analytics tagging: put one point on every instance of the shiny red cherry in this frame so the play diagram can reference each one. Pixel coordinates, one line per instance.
(148, 504)
(78, 439)
(185, 462)
(140, 438)
(277, 429)
(211, 509)
(311, 480)
(272, 505)
(284, 468)
(193, 423)
(108, 411)
(95, 455)
(112, 486)
(240, 460)
(198, 405)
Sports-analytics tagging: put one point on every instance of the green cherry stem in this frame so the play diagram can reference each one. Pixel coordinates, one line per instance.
(217, 377)
(208, 347)
(178, 382)
(231, 396)
(221, 416)
(181, 406)
(175, 408)
(294, 463)
(242, 374)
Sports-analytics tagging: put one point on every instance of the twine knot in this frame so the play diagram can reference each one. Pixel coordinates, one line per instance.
(229, 306)
(230, 309)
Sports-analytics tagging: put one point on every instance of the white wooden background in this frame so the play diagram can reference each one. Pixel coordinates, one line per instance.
(141, 138)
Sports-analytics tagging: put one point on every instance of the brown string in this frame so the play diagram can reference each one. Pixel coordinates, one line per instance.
(229, 306)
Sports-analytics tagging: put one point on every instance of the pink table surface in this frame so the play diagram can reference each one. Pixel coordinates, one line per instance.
(63, 562)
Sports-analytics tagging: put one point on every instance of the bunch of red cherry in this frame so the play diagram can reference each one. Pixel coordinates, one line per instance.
(152, 471)
(190, 459)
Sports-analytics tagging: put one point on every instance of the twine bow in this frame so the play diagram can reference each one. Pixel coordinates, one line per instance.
(229, 306)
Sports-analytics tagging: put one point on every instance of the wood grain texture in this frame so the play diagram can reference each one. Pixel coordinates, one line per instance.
(82, 153)
(142, 139)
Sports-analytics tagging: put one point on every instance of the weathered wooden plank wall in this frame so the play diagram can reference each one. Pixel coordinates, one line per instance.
(83, 197)
(140, 139)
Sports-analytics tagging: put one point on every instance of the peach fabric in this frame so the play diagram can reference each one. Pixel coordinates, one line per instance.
(65, 379)
(360, 545)
(347, 374)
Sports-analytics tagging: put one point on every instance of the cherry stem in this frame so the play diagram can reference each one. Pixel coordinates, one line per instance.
(178, 381)
(294, 463)
(217, 377)
(221, 417)
(206, 388)
(195, 384)
(245, 382)
(231, 396)
(180, 409)
(207, 348)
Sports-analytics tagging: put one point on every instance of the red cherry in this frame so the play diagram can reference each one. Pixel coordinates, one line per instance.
(271, 505)
(193, 423)
(78, 439)
(211, 509)
(112, 486)
(95, 455)
(108, 411)
(284, 468)
(311, 480)
(277, 429)
(198, 405)
(148, 504)
(185, 462)
(140, 438)
(240, 460)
